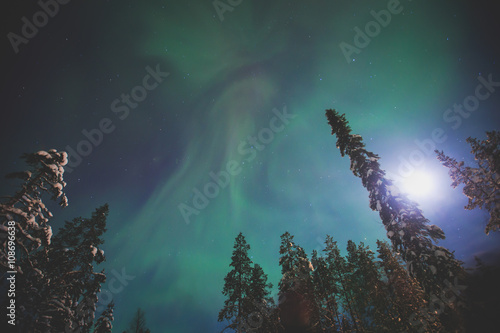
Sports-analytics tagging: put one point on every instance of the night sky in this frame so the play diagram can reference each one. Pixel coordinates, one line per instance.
(181, 94)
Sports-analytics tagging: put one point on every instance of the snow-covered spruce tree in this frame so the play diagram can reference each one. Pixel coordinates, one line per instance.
(237, 287)
(104, 323)
(482, 184)
(27, 211)
(67, 293)
(434, 267)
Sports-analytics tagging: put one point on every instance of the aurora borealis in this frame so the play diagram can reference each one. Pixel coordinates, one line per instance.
(219, 117)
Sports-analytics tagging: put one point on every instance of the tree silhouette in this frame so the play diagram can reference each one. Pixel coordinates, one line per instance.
(138, 323)
(482, 184)
(237, 286)
(261, 315)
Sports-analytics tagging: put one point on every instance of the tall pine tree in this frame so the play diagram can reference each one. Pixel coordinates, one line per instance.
(237, 306)
(262, 317)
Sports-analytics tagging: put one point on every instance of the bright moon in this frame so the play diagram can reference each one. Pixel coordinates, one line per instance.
(418, 185)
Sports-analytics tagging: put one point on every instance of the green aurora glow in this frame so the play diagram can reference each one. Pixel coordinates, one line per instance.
(225, 80)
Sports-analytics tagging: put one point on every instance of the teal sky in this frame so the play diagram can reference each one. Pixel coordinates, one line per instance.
(225, 79)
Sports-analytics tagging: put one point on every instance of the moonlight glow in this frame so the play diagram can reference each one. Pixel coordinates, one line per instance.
(418, 185)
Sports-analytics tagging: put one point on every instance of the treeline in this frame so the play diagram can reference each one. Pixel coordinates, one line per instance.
(362, 291)
(327, 292)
